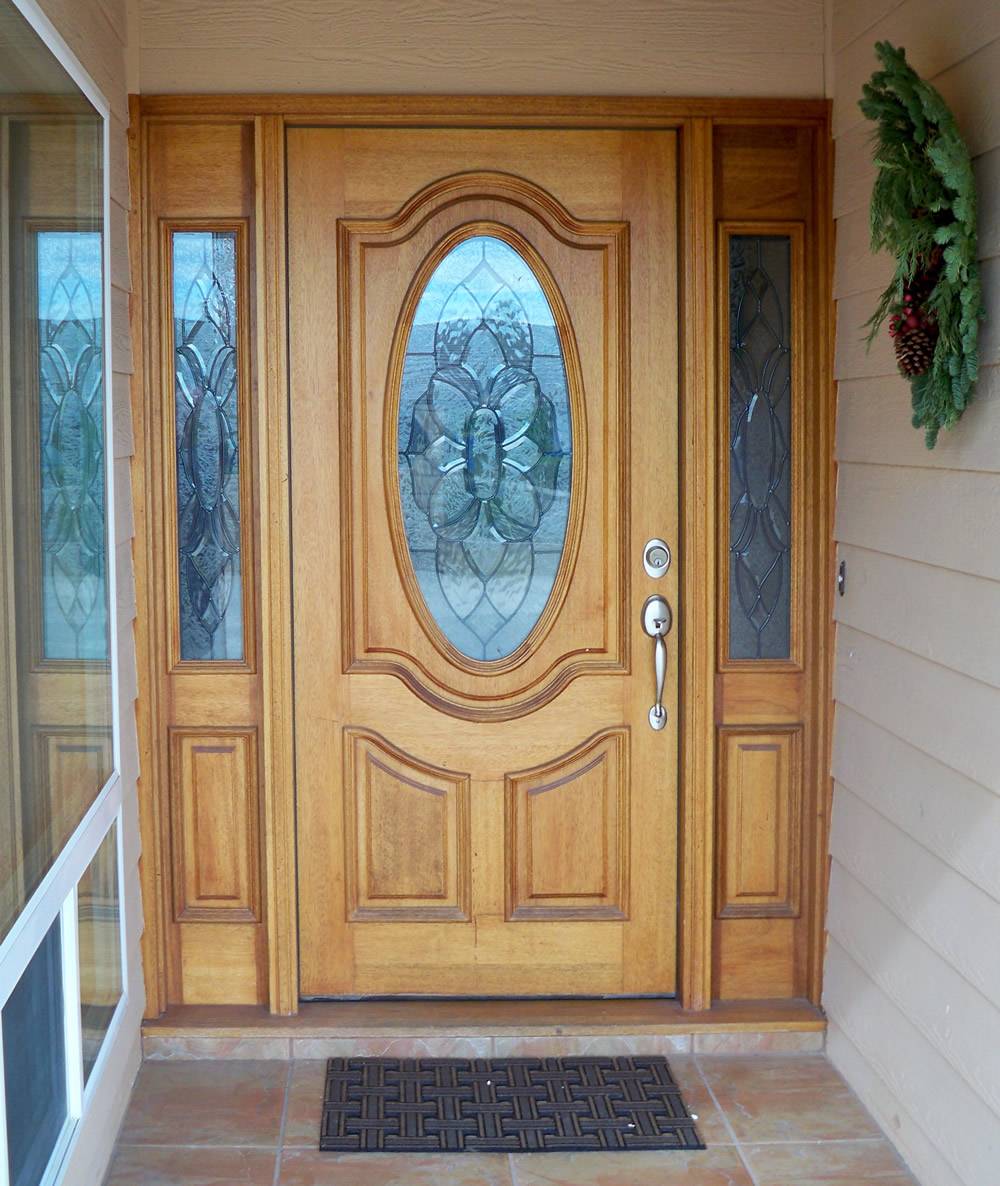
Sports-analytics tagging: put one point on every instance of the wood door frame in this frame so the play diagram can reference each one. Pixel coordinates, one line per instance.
(694, 120)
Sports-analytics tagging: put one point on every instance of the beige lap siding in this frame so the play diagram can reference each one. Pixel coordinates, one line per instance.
(913, 967)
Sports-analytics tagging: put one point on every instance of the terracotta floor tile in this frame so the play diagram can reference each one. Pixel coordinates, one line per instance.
(713, 1167)
(711, 1127)
(826, 1163)
(206, 1103)
(305, 1103)
(301, 1167)
(785, 1098)
(160, 1166)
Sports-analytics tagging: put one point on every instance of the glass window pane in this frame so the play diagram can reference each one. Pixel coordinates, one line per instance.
(55, 679)
(34, 1063)
(206, 384)
(760, 409)
(71, 439)
(484, 444)
(100, 948)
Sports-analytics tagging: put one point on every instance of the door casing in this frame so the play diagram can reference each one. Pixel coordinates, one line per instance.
(263, 120)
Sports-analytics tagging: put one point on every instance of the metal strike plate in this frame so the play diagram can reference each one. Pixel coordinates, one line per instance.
(656, 558)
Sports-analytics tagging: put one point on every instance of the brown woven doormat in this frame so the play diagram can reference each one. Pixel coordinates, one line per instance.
(503, 1105)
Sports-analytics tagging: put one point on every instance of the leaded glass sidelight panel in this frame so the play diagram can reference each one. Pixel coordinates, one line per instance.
(206, 405)
(760, 411)
(70, 343)
(485, 438)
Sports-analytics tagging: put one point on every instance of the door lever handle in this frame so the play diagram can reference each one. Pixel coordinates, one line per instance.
(656, 621)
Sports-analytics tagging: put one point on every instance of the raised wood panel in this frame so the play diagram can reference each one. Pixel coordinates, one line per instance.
(759, 832)
(216, 825)
(408, 839)
(568, 833)
(72, 766)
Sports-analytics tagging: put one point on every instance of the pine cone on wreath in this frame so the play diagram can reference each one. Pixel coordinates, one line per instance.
(915, 348)
(914, 332)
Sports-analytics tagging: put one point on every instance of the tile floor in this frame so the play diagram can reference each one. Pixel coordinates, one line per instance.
(768, 1120)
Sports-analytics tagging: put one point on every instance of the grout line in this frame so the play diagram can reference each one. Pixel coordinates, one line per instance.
(725, 1120)
(180, 1145)
(284, 1121)
(824, 1141)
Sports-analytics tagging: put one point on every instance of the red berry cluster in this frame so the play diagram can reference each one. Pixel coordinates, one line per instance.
(907, 319)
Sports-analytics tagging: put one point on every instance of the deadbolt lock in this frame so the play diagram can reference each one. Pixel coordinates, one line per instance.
(656, 558)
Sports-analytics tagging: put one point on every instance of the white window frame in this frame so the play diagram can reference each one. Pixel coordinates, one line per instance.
(55, 899)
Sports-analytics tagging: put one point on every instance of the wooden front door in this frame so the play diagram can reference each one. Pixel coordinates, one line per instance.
(483, 377)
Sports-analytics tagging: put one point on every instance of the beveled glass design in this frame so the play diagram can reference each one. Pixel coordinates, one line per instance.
(99, 941)
(484, 442)
(34, 1063)
(760, 526)
(69, 326)
(206, 405)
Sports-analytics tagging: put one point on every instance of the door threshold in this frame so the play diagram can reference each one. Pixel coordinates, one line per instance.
(481, 1028)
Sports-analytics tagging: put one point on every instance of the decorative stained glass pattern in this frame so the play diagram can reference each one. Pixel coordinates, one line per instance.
(760, 356)
(70, 332)
(206, 400)
(484, 442)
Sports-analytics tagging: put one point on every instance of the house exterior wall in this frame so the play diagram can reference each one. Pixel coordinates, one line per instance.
(670, 47)
(96, 32)
(912, 984)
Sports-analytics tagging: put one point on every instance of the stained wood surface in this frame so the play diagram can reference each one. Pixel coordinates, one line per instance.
(760, 810)
(470, 1018)
(204, 820)
(598, 879)
(771, 715)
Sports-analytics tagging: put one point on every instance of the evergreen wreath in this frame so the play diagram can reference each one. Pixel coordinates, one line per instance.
(923, 211)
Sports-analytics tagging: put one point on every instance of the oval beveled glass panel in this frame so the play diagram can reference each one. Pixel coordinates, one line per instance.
(485, 439)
